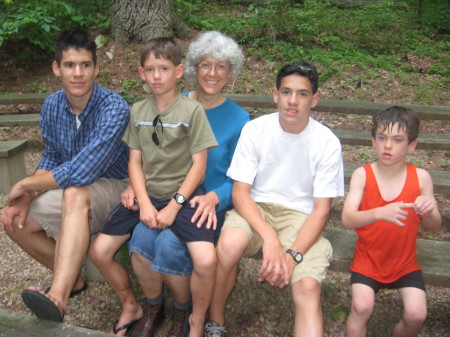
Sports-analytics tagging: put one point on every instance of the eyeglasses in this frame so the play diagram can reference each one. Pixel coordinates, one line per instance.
(207, 67)
(155, 138)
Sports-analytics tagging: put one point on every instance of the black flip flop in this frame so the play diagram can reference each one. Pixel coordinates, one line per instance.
(127, 327)
(41, 305)
(79, 291)
(75, 292)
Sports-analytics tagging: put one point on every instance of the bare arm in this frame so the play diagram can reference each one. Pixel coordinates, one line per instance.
(353, 218)
(167, 215)
(20, 196)
(425, 205)
(42, 180)
(274, 267)
(147, 211)
(313, 225)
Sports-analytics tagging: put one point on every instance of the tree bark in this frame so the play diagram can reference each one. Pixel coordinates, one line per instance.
(142, 20)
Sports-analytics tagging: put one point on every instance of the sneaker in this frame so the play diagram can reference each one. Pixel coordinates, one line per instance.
(212, 329)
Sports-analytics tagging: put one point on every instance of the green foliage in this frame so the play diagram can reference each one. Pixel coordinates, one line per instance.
(129, 87)
(369, 36)
(27, 26)
(36, 87)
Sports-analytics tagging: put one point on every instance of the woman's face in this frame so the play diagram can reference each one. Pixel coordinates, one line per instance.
(212, 75)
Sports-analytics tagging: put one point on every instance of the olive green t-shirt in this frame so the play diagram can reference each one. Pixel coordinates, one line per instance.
(184, 130)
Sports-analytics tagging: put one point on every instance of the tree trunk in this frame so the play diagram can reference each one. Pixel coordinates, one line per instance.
(142, 20)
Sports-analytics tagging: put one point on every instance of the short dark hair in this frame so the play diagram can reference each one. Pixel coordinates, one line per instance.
(164, 47)
(77, 39)
(407, 120)
(304, 69)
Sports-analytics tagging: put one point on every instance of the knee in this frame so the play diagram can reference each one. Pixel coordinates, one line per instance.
(76, 197)
(96, 254)
(306, 293)
(231, 246)
(18, 234)
(206, 265)
(415, 318)
(361, 307)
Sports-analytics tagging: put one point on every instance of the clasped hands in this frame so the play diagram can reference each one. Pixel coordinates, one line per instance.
(277, 266)
(205, 212)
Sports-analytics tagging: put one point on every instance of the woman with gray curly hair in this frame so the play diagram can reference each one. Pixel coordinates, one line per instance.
(213, 61)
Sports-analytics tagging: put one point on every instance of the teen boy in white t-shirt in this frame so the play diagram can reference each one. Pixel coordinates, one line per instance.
(287, 168)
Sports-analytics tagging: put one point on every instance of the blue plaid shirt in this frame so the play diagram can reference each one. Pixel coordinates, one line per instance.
(78, 157)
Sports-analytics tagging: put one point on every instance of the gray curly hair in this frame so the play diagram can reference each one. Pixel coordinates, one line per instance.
(217, 45)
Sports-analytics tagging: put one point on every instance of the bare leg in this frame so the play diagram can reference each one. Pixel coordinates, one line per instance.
(150, 281)
(33, 240)
(102, 254)
(179, 287)
(363, 301)
(231, 246)
(72, 244)
(415, 312)
(308, 311)
(202, 283)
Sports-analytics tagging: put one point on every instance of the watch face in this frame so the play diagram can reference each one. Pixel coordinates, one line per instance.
(179, 198)
(298, 257)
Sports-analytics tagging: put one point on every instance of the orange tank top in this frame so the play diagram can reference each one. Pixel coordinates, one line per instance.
(385, 251)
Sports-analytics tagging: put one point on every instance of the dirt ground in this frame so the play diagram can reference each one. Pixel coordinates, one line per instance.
(254, 309)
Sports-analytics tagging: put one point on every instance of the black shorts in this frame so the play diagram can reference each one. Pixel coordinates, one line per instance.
(122, 220)
(413, 279)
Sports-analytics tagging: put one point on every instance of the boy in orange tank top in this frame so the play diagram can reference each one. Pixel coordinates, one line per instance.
(385, 204)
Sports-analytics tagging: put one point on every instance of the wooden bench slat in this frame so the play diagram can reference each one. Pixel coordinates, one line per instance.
(441, 179)
(426, 112)
(23, 98)
(19, 120)
(426, 141)
(433, 256)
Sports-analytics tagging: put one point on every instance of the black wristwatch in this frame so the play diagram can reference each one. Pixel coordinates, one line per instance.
(297, 256)
(180, 199)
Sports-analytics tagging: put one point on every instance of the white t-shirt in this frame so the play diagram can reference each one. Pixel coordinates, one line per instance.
(288, 169)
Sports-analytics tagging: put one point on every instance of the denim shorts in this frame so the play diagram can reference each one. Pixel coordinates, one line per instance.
(168, 254)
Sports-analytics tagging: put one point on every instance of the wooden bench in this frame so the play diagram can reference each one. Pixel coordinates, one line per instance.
(433, 256)
(425, 112)
(12, 163)
(441, 179)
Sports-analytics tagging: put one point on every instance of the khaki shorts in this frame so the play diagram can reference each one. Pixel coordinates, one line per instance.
(46, 210)
(287, 223)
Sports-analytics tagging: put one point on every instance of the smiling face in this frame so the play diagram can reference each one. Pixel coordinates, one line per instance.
(391, 145)
(77, 72)
(212, 75)
(160, 74)
(295, 100)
